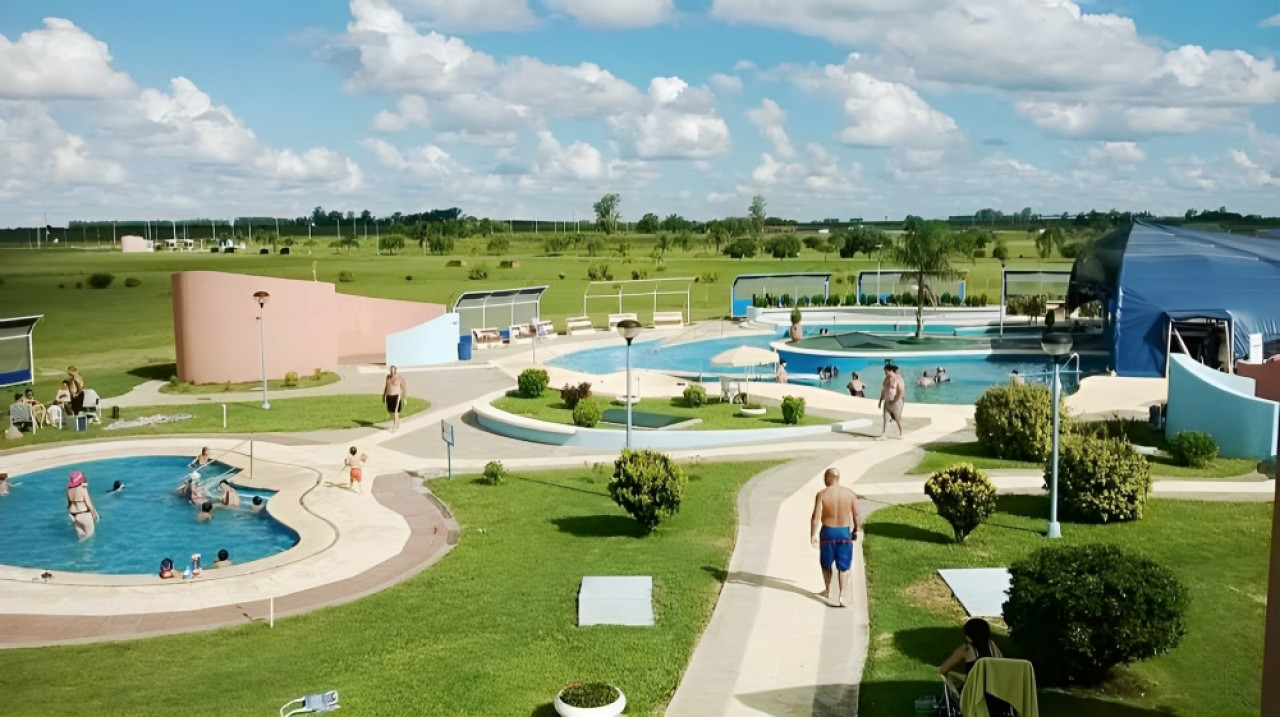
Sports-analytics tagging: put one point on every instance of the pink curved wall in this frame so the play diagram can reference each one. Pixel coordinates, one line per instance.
(307, 325)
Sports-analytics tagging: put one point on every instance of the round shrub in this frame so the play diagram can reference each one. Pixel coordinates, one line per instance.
(1016, 422)
(133, 282)
(1101, 481)
(586, 413)
(478, 272)
(572, 394)
(79, 285)
(694, 396)
(792, 409)
(964, 497)
(291, 378)
(1193, 448)
(494, 473)
(1078, 611)
(648, 485)
(532, 382)
(99, 281)
(408, 277)
(345, 276)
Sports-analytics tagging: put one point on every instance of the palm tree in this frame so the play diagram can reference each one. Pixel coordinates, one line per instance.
(926, 251)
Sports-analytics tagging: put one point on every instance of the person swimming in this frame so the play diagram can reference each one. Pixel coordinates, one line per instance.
(224, 559)
(166, 570)
(4, 484)
(192, 489)
(257, 504)
(228, 496)
(116, 487)
(203, 459)
(206, 512)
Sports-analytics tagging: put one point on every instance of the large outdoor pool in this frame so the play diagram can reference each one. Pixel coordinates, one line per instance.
(139, 525)
(970, 375)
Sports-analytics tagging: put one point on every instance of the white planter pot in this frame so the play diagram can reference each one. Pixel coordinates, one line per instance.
(753, 411)
(609, 710)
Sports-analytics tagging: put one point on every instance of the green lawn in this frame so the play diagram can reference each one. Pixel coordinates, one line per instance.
(945, 455)
(286, 414)
(1219, 550)
(489, 630)
(715, 416)
(119, 336)
(276, 384)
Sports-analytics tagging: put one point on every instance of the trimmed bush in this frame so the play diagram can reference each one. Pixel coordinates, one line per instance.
(792, 409)
(587, 695)
(851, 299)
(532, 382)
(1016, 422)
(132, 282)
(408, 277)
(478, 272)
(1100, 481)
(695, 396)
(291, 378)
(571, 394)
(587, 413)
(1193, 448)
(346, 277)
(648, 485)
(964, 497)
(1079, 611)
(494, 473)
(833, 300)
(786, 301)
(455, 264)
(99, 281)
(796, 316)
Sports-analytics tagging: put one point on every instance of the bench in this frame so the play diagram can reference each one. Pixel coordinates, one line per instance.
(578, 325)
(486, 338)
(663, 319)
(544, 330)
(520, 333)
(615, 319)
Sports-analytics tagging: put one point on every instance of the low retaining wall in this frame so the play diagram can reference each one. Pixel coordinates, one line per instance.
(557, 434)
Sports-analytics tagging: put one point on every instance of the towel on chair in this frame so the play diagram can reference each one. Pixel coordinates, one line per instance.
(1013, 681)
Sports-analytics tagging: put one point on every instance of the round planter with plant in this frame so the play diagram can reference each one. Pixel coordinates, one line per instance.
(590, 699)
(752, 409)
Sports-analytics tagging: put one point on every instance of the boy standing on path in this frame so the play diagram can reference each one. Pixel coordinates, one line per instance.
(833, 529)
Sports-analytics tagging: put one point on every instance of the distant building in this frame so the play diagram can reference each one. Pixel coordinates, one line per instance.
(135, 244)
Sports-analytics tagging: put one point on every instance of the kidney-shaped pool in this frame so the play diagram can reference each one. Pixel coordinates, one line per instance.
(140, 525)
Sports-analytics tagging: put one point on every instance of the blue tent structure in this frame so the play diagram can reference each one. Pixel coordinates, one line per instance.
(1149, 276)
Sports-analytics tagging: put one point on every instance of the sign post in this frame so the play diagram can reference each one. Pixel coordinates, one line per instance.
(446, 435)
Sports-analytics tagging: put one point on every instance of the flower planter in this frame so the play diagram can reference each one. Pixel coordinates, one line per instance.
(610, 710)
(753, 411)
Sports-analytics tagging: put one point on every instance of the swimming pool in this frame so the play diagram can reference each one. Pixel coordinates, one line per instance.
(970, 375)
(139, 525)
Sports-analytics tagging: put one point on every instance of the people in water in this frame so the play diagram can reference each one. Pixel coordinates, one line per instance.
(857, 387)
(203, 459)
(192, 489)
(117, 486)
(206, 512)
(4, 484)
(84, 516)
(224, 559)
(257, 504)
(227, 495)
(167, 571)
(940, 375)
(925, 381)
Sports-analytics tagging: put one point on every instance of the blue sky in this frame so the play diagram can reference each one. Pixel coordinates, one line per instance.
(535, 108)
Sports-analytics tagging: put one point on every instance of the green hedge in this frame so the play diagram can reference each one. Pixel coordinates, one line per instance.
(648, 485)
(1016, 422)
(964, 497)
(1193, 448)
(587, 413)
(532, 382)
(1101, 481)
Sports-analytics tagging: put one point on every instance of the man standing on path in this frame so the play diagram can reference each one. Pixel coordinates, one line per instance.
(393, 394)
(833, 529)
(892, 398)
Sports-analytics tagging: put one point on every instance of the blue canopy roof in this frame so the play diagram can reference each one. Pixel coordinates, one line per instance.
(1146, 274)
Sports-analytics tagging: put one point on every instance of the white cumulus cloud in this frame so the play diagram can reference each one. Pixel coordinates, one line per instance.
(476, 15)
(681, 123)
(60, 61)
(769, 118)
(629, 14)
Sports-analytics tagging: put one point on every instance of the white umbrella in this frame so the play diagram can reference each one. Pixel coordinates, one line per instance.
(744, 357)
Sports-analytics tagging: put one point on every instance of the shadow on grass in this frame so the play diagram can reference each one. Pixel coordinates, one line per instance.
(819, 700)
(902, 531)
(155, 371)
(971, 449)
(930, 645)
(762, 581)
(895, 698)
(547, 710)
(560, 485)
(1024, 506)
(599, 526)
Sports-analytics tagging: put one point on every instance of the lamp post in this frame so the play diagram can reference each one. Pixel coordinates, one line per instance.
(878, 258)
(629, 330)
(1056, 345)
(261, 297)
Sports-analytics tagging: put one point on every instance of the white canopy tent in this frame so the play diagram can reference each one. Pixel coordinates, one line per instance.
(498, 308)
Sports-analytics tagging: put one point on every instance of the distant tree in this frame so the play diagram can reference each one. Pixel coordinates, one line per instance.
(912, 223)
(649, 224)
(756, 214)
(1051, 238)
(683, 239)
(828, 245)
(663, 243)
(926, 252)
(366, 216)
(741, 248)
(607, 213)
(595, 246)
(555, 244)
(676, 223)
(392, 242)
(862, 240)
(498, 245)
(1191, 214)
(318, 216)
(784, 246)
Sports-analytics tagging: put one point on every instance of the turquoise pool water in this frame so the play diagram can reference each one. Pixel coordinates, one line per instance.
(970, 375)
(140, 525)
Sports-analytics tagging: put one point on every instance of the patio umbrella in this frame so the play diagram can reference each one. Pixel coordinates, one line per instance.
(744, 357)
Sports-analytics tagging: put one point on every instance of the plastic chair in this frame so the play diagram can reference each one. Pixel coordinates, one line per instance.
(323, 702)
(20, 415)
(91, 405)
(53, 416)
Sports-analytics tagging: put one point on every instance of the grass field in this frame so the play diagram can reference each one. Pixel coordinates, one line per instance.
(286, 414)
(715, 416)
(489, 630)
(324, 378)
(120, 336)
(1219, 550)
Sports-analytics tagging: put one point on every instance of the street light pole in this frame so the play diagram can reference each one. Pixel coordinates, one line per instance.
(878, 258)
(629, 330)
(261, 297)
(1056, 345)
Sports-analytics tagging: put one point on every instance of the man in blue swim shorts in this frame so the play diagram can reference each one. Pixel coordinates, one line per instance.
(834, 527)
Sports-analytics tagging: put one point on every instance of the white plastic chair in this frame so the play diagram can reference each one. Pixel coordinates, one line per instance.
(91, 401)
(20, 414)
(323, 702)
(53, 416)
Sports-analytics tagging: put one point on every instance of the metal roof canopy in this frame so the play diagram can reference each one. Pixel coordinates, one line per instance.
(897, 276)
(1028, 276)
(775, 285)
(505, 301)
(12, 371)
(619, 290)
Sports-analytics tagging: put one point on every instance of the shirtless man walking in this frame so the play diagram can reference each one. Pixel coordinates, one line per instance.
(833, 529)
(393, 394)
(892, 397)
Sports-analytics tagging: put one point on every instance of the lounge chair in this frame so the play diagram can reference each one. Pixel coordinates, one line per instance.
(91, 404)
(323, 702)
(995, 687)
(53, 416)
(20, 416)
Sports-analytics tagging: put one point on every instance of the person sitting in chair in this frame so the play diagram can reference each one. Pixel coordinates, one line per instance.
(21, 425)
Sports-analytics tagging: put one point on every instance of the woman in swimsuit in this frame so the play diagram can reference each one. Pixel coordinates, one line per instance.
(203, 459)
(84, 516)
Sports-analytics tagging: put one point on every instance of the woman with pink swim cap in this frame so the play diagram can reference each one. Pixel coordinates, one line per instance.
(84, 516)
